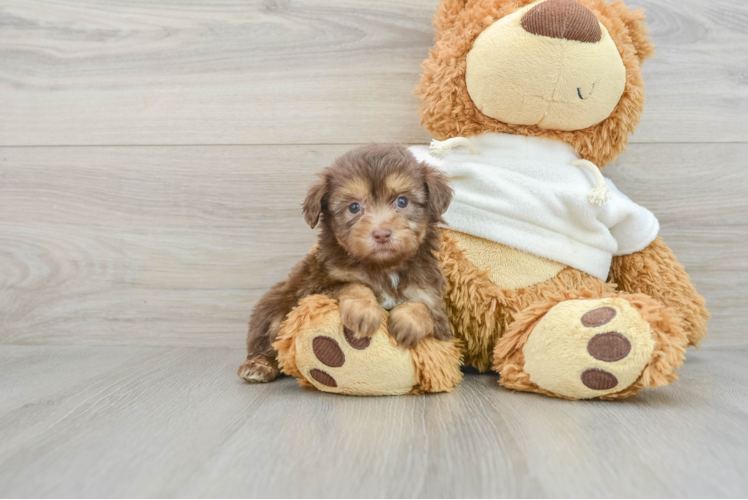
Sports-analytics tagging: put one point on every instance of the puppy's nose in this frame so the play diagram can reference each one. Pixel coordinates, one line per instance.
(566, 19)
(381, 236)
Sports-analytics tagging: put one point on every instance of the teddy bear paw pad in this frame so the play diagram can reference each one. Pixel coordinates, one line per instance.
(355, 342)
(598, 317)
(609, 346)
(333, 359)
(328, 351)
(322, 377)
(588, 348)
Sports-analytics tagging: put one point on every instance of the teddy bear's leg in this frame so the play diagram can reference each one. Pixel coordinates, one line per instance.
(315, 347)
(591, 344)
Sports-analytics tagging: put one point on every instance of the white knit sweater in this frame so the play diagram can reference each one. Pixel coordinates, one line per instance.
(522, 192)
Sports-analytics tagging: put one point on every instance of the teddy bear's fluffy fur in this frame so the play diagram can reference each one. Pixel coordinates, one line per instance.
(448, 111)
(658, 307)
(493, 323)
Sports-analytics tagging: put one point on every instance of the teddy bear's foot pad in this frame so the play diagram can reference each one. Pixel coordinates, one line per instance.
(328, 351)
(588, 348)
(316, 348)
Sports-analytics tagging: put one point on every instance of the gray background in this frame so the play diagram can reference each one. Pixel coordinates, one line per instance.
(153, 158)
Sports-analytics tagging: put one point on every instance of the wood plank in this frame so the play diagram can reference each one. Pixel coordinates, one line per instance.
(173, 245)
(148, 245)
(177, 422)
(306, 72)
(695, 192)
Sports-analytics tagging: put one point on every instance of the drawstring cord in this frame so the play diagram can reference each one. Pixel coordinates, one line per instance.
(440, 149)
(599, 195)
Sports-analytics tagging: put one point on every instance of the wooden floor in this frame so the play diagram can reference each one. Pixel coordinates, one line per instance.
(153, 158)
(175, 421)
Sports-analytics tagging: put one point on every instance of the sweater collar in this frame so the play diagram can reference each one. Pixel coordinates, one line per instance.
(495, 147)
(523, 148)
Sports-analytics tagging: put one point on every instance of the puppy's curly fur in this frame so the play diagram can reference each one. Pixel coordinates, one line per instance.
(379, 210)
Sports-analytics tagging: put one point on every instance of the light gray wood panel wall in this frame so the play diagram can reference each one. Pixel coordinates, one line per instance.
(304, 72)
(155, 245)
(173, 245)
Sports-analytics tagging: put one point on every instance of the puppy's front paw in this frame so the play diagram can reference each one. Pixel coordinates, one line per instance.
(259, 369)
(409, 323)
(360, 315)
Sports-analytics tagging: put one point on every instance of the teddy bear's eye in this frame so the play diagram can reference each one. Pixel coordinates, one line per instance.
(354, 208)
(402, 202)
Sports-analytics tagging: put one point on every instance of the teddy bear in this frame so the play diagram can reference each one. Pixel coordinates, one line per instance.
(555, 279)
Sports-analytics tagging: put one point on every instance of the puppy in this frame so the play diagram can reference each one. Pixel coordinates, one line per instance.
(378, 208)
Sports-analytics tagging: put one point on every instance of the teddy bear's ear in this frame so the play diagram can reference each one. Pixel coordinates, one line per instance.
(446, 14)
(637, 29)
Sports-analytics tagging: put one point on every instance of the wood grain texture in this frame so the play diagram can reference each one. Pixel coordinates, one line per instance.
(150, 245)
(177, 422)
(305, 72)
(127, 273)
(698, 193)
(174, 245)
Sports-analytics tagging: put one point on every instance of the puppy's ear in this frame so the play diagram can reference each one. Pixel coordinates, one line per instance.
(439, 191)
(312, 206)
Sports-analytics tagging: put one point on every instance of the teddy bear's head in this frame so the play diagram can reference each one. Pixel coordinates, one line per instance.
(569, 70)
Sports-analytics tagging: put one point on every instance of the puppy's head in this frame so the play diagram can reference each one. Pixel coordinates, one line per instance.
(379, 202)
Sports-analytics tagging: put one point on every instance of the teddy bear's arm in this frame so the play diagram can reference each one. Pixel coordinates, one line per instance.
(655, 271)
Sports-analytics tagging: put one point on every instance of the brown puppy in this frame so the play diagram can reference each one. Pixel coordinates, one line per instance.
(379, 209)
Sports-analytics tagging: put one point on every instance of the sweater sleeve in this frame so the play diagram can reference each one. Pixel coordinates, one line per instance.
(633, 226)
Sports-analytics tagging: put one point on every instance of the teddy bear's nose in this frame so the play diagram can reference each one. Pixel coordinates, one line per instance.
(566, 19)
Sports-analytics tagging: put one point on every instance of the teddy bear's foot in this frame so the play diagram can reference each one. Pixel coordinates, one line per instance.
(315, 347)
(588, 348)
(606, 348)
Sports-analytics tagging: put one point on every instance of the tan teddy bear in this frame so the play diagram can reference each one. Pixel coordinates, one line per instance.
(555, 279)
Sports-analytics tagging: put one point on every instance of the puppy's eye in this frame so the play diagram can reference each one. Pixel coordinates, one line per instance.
(402, 202)
(354, 208)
